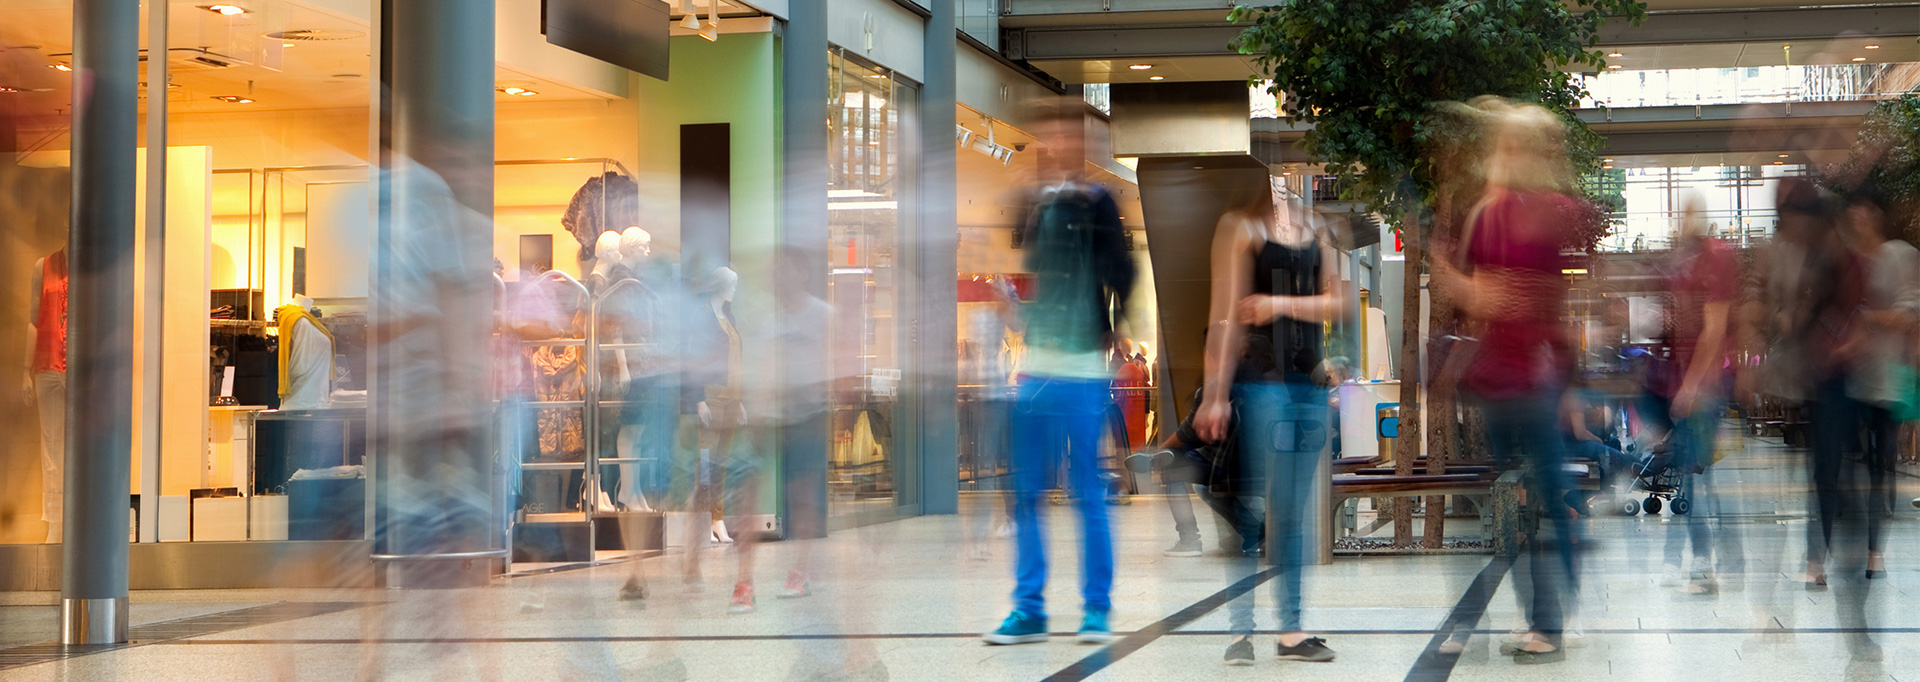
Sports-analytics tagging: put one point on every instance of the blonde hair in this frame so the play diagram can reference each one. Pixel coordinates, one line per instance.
(1526, 146)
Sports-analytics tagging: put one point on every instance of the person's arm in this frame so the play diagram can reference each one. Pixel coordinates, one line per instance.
(1709, 349)
(1117, 271)
(1227, 336)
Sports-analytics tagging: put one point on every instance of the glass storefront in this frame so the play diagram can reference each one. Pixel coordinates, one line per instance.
(870, 207)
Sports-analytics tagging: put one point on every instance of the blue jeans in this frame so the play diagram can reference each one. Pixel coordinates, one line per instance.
(1283, 435)
(1529, 428)
(1692, 443)
(1057, 419)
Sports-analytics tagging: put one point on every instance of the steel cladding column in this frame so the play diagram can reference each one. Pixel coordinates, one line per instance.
(939, 298)
(803, 238)
(93, 580)
(433, 292)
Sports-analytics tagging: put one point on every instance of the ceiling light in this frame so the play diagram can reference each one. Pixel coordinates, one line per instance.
(689, 16)
(1873, 47)
(1139, 67)
(511, 90)
(234, 99)
(1859, 59)
(287, 44)
(228, 10)
(711, 31)
(60, 67)
(1606, 161)
(5, 89)
(1156, 78)
(1783, 156)
(1777, 163)
(1615, 55)
(1607, 167)
(1613, 67)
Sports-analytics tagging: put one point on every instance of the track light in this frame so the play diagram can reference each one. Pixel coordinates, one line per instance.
(711, 31)
(689, 16)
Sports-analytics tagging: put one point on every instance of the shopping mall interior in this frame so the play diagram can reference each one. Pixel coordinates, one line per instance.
(681, 340)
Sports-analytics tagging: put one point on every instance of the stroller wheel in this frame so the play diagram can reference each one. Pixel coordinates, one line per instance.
(1680, 506)
(1630, 508)
(1652, 505)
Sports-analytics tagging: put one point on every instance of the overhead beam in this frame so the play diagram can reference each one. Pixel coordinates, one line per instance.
(1115, 34)
(1764, 25)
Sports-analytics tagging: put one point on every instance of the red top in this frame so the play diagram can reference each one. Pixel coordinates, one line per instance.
(1704, 272)
(50, 329)
(1516, 243)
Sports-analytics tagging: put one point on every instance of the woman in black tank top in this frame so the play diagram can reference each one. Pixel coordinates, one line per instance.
(1271, 294)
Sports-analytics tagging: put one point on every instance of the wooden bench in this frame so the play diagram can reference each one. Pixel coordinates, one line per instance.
(1486, 471)
(1347, 465)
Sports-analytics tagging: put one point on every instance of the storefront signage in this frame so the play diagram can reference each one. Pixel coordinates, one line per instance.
(625, 33)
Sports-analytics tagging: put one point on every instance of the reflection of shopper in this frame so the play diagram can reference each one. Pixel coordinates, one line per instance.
(1076, 250)
(1274, 287)
(48, 311)
(1188, 463)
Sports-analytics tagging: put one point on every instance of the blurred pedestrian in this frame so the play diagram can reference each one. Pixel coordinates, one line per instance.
(1076, 250)
(1275, 285)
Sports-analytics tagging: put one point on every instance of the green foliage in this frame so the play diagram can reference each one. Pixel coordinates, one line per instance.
(1370, 74)
(1885, 160)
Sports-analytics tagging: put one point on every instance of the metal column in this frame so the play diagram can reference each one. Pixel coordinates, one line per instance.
(154, 256)
(803, 237)
(93, 584)
(936, 323)
(431, 414)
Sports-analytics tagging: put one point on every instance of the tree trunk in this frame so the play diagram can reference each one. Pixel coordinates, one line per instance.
(1407, 445)
(1442, 429)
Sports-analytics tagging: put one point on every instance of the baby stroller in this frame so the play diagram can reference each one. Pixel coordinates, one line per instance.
(1650, 470)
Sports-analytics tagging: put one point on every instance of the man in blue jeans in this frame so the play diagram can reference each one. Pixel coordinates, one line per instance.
(1076, 250)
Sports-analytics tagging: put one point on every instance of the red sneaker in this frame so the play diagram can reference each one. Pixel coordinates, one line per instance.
(796, 586)
(742, 598)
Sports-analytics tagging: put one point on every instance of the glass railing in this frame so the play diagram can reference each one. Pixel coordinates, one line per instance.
(1750, 85)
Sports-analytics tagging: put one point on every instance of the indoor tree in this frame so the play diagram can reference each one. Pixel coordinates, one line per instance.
(1372, 77)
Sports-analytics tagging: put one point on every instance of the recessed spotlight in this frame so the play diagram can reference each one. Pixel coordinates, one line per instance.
(1613, 67)
(1873, 47)
(233, 99)
(511, 90)
(60, 67)
(1606, 161)
(1156, 78)
(7, 89)
(1616, 55)
(228, 10)
(1783, 156)
(1778, 163)
(288, 44)
(1607, 167)
(1139, 67)
(1859, 59)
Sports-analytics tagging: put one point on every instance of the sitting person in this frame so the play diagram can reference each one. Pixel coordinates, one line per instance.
(1184, 463)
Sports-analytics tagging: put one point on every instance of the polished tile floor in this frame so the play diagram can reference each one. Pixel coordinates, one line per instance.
(906, 601)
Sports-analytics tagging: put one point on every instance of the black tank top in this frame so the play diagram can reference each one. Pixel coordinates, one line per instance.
(1286, 346)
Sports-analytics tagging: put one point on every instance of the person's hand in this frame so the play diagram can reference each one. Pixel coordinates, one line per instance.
(1684, 400)
(1211, 420)
(1260, 309)
(706, 414)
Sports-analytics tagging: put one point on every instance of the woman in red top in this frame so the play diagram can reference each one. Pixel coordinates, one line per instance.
(1507, 280)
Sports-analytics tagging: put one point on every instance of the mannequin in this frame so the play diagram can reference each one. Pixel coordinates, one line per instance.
(720, 411)
(306, 356)
(606, 253)
(47, 315)
(636, 246)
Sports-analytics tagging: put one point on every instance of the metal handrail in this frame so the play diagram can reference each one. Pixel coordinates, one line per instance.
(442, 556)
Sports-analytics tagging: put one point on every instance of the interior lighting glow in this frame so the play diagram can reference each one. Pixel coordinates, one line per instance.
(1613, 67)
(1873, 47)
(228, 10)
(234, 99)
(1156, 78)
(1615, 55)
(1139, 67)
(1859, 59)
(60, 67)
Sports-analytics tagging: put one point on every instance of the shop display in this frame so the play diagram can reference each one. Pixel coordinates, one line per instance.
(49, 315)
(305, 356)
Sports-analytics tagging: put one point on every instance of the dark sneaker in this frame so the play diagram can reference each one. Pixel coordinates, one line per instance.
(1240, 652)
(634, 590)
(1184, 548)
(1019, 628)
(1094, 630)
(1311, 649)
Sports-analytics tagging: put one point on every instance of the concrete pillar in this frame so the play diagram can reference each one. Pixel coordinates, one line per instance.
(93, 584)
(935, 324)
(803, 240)
(431, 316)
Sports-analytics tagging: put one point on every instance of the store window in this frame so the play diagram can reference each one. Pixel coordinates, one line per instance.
(869, 204)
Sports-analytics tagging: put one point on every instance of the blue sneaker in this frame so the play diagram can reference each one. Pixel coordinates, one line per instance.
(1019, 628)
(1094, 630)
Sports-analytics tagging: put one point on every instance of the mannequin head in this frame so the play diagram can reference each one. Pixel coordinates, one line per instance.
(306, 304)
(635, 246)
(607, 252)
(722, 283)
